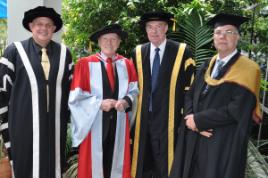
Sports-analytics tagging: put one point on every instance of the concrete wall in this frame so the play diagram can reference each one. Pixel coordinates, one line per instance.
(15, 14)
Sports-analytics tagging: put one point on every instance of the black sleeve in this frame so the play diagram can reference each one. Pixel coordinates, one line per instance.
(241, 106)
(7, 77)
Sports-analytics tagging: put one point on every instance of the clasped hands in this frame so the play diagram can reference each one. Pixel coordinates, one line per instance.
(119, 105)
(190, 124)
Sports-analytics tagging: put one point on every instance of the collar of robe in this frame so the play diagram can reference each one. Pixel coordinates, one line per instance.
(114, 58)
(248, 78)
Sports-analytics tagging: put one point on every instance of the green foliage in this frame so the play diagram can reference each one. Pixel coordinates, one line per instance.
(68, 146)
(3, 35)
(197, 36)
(257, 167)
(264, 85)
(86, 16)
(72, 169)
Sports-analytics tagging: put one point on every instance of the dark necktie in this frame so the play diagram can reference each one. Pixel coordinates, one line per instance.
(155, 71)
(215, 74)
(110, 73)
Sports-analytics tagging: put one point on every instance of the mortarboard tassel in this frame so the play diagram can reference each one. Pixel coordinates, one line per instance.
(174, 25)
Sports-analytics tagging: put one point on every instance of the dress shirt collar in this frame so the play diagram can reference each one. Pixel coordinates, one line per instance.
(161, 52)
(37, 47)
(227, 58)
(161, 46)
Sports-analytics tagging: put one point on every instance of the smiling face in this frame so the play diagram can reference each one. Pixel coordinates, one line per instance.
(42, 30)
(109, 43)
(156, 31)
(225, 39)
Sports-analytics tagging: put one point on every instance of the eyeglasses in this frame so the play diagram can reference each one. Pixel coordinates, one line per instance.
(225, 33)
(151, 28)
(40, 25)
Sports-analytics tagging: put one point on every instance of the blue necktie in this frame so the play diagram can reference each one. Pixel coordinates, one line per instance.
(218, 69)
(155, 71)
(216, 73)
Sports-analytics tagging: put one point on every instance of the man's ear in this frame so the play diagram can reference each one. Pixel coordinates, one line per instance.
(54, 28)
(30, 26)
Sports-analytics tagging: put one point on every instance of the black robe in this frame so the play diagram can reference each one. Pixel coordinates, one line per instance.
(18, 97)
(226, 108)
(159, 125)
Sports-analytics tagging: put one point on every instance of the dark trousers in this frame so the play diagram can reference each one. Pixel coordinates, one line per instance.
(108, 148)
(152, 156)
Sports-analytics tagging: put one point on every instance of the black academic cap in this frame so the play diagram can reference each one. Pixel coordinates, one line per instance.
(227, 19)
(42, 11)
(156, 16)
(114, 28)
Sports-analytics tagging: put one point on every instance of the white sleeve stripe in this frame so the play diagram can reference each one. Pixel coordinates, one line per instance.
(7, 145)
(5, 79)
(71, 65)
(3, 110)
(7, 63)
(3, 126)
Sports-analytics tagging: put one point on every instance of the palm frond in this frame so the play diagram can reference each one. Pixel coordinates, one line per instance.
(73, 165)
(257, 167)
(197, 36)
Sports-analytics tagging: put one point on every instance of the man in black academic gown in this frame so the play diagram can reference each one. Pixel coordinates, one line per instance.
(165, 70)
(219, 109)
(35, 80)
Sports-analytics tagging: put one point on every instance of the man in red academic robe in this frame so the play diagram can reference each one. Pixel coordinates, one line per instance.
(103, 91)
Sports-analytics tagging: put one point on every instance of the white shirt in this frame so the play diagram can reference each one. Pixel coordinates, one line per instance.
(225, 60)
(161, 52)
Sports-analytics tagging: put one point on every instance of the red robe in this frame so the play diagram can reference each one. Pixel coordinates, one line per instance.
(89, 88)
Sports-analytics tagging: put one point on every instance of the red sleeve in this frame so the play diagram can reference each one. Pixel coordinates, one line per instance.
(131, 71)
(81, 77)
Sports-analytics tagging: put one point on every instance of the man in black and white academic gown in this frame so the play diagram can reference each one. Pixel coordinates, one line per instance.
(33, 100)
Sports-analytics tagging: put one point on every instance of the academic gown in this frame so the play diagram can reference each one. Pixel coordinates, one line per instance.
(35, 137)
(228, 109)
(102, 137)
(167, 106)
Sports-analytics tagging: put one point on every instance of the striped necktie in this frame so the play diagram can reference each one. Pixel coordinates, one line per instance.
(219, 65)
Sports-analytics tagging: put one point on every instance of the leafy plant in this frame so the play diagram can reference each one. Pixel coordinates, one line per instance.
(73, 165)
(68, 146)
(197, 35)
(264, 85)
(257, 167)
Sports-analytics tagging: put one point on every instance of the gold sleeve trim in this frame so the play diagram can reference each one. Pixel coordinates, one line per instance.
(138, 117)
(174, 77)
(189, 62)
